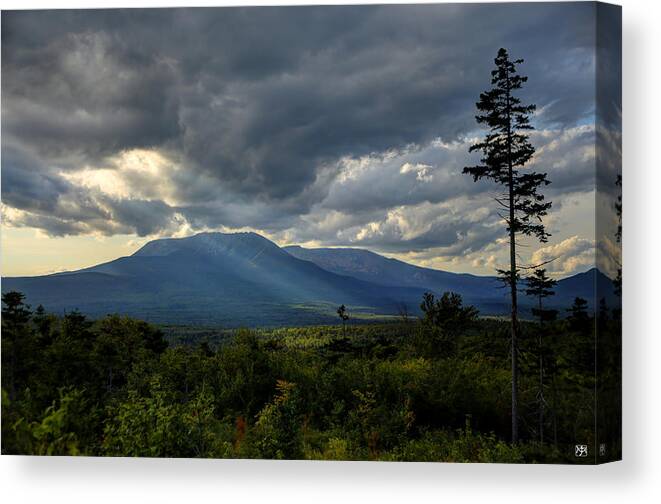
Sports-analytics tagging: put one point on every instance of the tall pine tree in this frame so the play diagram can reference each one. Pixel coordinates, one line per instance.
(506, 150)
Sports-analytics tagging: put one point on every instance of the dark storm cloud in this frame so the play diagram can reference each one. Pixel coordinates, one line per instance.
(24, 185)
(81, 96)
(609, 67)
(49, 202)
(260, 105)
(135, 216)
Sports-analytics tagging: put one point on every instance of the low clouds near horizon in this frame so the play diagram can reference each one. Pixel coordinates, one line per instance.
(333, 126)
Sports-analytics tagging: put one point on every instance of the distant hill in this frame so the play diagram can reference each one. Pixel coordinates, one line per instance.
(376, 268)
(243, 279)
(486, 292)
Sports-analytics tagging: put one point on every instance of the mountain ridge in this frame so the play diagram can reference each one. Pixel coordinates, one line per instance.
(475, 289)
(237, 279)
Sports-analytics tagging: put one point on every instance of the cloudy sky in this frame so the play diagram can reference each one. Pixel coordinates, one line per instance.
(320, 126)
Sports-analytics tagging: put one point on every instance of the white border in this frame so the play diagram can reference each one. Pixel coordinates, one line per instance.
(53, 480)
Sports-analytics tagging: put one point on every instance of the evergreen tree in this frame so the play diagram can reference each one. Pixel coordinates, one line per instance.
(16, 341)
(344, 316)
(15, 312)
(581, 322)
(540, 286)
(44, 323)
(579, 319)
(506, 150)
(448, 313)
(604, 314)
(445, 320)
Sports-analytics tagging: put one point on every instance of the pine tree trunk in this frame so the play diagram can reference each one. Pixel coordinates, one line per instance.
(555, 415)
(513, 270)
(14, 362)
(12, 372)
(514, 328)
(541, 374)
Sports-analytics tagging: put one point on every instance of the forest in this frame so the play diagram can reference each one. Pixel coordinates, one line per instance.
(430, 388)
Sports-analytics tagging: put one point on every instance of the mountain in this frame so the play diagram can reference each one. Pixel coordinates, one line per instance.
(485, 292)
(375, 268)
(588, 285)
(211, 278)
(243, 279)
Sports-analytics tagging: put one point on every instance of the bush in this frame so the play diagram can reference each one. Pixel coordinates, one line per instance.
(57, 432)
(278, 428)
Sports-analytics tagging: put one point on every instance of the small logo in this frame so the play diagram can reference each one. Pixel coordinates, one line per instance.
(581, 450)
(602, 450)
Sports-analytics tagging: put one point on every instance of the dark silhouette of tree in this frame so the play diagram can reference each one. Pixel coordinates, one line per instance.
(15, 311)
(579, 320)
(154, 339)
(69, 355)
(540, 286)
(582, 324)
(77, 327)
(16, 339)
(344, 316)
(448, 312)
(604, 314)
(403, 310)
(445, 320)
(618, 208)
(506, 149)
(44, 323)
(618, 234)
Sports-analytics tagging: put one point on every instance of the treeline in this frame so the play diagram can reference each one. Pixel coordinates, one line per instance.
(436, 389)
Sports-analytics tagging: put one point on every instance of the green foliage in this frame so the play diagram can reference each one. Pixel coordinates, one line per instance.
(278, 426)
(157, 426)
(579, 320)
(445, 319)
(149, 426)
(57, 432)
(463, 445)
(448, 313)
(398, 391)
(243, 374)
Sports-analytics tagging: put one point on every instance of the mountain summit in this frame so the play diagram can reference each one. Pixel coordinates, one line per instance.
(212, 244)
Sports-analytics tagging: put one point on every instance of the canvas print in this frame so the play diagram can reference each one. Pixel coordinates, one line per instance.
(380, 233)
